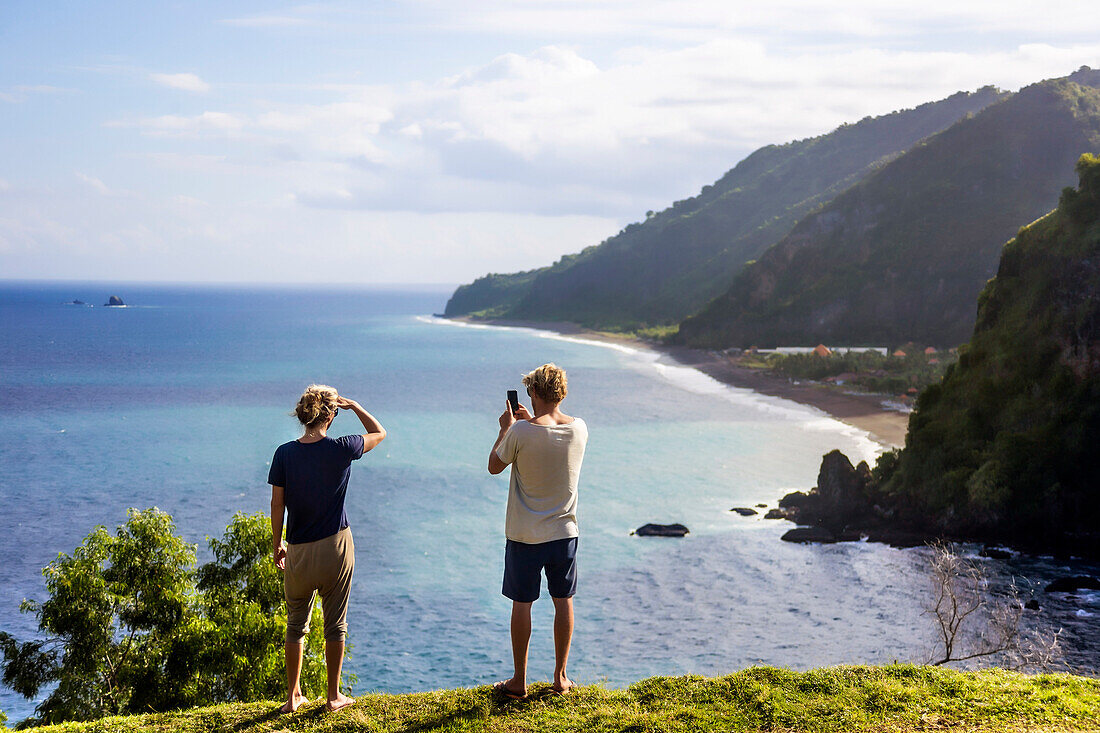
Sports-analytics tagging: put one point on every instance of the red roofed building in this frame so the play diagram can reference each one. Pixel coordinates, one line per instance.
(822, 350)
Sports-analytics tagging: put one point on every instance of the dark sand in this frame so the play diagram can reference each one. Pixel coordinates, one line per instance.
(864, 411)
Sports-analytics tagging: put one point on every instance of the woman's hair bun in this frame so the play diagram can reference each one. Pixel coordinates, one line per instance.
(316, 404)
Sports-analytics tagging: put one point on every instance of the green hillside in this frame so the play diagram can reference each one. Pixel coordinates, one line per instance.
(667, 267)
(902, 255)
(897, 698)
(1006, 446)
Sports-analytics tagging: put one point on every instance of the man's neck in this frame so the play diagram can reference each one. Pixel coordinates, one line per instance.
(548, 413)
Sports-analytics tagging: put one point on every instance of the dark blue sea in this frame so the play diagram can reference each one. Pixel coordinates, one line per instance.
(179, 399)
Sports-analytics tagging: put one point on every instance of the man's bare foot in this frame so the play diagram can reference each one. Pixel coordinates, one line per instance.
(296, 701)
(341, 701)
(563, 686)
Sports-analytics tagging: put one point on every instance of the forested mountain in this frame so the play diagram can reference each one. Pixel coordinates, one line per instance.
(1006, 446)
(669, 266)
(902, 255)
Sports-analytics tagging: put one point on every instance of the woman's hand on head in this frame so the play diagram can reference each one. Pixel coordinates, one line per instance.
(343, 403)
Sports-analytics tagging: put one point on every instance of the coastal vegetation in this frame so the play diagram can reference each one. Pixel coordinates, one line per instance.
(896, 698)
(131, 626)
(1004, 448)
(902, 373)
(660, 270)
(903, 254)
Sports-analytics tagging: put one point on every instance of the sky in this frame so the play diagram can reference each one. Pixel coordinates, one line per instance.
(433, 141)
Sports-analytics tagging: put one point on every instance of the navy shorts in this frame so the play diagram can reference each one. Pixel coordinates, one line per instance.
(524, 563)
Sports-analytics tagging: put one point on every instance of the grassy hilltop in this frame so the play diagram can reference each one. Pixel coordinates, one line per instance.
(895, 698)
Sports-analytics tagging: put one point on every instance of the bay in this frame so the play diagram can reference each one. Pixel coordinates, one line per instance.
(179, 400)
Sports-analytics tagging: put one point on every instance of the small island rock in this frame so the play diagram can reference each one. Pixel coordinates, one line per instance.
(661, 530)
(744, 511)
(776, 514)
(114, 300)
(809, 534)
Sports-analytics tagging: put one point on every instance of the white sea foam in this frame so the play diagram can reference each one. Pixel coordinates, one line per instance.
(541, 333)
(692, 380)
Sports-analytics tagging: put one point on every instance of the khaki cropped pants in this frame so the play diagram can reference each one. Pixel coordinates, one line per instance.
(325, 565)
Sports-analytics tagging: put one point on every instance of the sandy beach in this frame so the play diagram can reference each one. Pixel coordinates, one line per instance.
(864, 411)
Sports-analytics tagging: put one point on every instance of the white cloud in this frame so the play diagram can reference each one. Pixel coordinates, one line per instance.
(185, 81)
(552, 132)
(267, 21)
(808, 21)
(21, 92)
(217, 124)
(97, 185)
(582, 116)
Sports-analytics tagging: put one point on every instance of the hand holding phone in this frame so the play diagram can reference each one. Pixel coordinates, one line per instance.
(513, 400)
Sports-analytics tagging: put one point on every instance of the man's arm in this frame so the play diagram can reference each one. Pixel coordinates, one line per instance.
(278, 506)
(495, 464)
(507, 419)
(375, 432)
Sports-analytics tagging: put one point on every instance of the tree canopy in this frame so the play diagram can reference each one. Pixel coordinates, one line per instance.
(131, 625)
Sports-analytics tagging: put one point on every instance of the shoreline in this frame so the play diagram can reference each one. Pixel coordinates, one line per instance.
(862, 411)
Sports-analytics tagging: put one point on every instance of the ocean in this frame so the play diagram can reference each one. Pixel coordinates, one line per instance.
(179, 399)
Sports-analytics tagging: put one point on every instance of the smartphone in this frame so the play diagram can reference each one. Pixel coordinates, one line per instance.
(513, 400)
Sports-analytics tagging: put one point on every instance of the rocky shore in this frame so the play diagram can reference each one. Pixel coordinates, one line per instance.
(847, 505)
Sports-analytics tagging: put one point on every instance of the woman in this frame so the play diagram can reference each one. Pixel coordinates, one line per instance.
(309, 479)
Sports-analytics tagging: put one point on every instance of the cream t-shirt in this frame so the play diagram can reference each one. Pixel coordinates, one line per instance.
(546, 467)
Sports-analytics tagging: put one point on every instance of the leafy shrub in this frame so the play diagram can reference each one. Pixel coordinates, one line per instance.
(130, 626)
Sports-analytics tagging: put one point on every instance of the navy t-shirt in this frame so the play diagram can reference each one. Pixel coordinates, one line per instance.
(315, 477)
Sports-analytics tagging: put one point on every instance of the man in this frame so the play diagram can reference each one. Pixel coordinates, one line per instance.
(545, 451)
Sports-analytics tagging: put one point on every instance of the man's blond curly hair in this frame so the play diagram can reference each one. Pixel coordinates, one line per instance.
(548, 383)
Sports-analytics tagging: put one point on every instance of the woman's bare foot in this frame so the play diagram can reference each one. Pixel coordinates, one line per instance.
(341, 701)
(295, 701)
(510, 692)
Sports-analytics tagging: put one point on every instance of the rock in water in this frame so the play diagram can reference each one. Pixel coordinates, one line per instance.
(114, 300)
(1073, 584)
(776, 514)
(661, 530)
(809, 534)
(744, 511)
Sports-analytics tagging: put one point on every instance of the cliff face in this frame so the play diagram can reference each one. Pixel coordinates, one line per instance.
(667, 267)
(1007, 445)
(902, 255)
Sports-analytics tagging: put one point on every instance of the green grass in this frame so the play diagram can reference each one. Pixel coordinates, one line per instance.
(894, 698)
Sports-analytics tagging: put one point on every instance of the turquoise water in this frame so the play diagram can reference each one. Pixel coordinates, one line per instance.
(179, 401)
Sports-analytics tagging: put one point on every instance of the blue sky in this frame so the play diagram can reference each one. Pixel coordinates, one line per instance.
(434, 141)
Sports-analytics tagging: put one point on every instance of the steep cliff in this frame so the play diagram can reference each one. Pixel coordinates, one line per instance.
(903, 254)
(667, 267)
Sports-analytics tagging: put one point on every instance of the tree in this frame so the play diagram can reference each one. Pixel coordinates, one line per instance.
(972, 624)
(127, 628)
